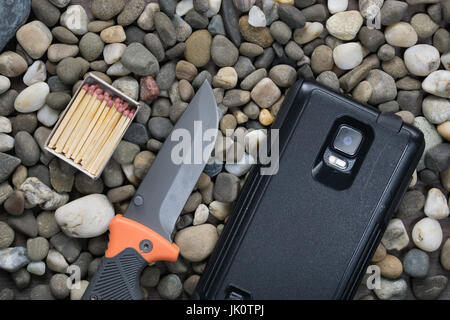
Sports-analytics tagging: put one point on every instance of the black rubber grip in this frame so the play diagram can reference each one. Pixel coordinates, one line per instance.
(117, 278)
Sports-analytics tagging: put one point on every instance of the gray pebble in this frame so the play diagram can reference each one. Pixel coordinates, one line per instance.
(6, 235)
(371, 39)
(170, 287)
(392, 12)
(87, 185)
(125, 152)
(98, 245)
(93, 267)
(244, 66)
(390, 106)
(112, 174)
(21, 278)
(410, 101)
(24, 122)
(6, 294)
(144, 113)
(168, 7)
(150, 277)
(62, 175)
(91, 46)
(45, 12)
(329, 79)
(58, 286)
(137, 134)
(70, 248)
(265, 60)
(176, 51)
(25, 223)
(416, 263)
(64, 35)
(437, 158)
(12, 259)
(37, 248)
(223, 52)
(134, 34)
(226, 187)
(41, 292)
(196, 20)
(7, 102)
(281, 32)
(131, 11)
(165, 29)
(26, 148)
(47, 225)
(159, 127)
(429, 288)
(83, 262)
(216, 26)
(166, 76)
(140, 61)
(293, 17)
(69, 70)
(253, 78)
(201, 78)
(153, 43)
(36, 268)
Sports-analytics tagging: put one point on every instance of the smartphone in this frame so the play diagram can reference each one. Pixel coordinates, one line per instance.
(310, 230)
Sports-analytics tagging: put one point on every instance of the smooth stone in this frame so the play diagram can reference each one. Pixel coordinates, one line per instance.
(236, 98)
(436, 206)
(392, 12)
(437, 83)
(395, 237)
(411, 205)
(392, 289)
(216, 26)
(283, 75)
(197, 242)
(69, 70)
(432, 137)
(68, 246)
(75, 19)
(37, 72)
(347, 56)
(416, 263)
(401, 34)
(256, 17)
(170, 287)
(265, 93)
(139, 60)
(445, 255)
(12, 259)
(146, 19)
(47, 116)
(126, 152)
(259, 36)
(345, 25)
(15, 203)
(37, 249)
(308, 33)
(35, 38)
(112, 53)
(252, 79)
(183, 7)
(131, 12)
(128, 85)
(7, 235)
(422, 59)
(383, 85)
(142, 163)
(8, 164)
(244, 67)
(292, 16)
(86, 217)
(231, 22)
(56, 262)
(429, 288)
(391, 267)
(370, 8)
(436, 109)
(225, 78)
(226, 187)
(36, 268)
(335, 6)
(198, 48)
(424, 25)
(12, 64)
(6, 142)
(32, 98)
(427, 234)
(223, 52)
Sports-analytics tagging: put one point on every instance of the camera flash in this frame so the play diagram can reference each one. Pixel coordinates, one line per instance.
(342, 164)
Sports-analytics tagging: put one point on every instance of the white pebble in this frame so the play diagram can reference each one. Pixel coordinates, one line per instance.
(201, 214)
(436, 206)
(37, 72)
(348, 55)
(56, 261)
(242, 166)
(77, 290)
(427, 234)
(308, 33)
(85, 217)
(436, 109)
(422, 59)
(47, 116)
(6, 142)
(401, 34)
(254, 140)
(438, 83)
(146, 19)
(395, 236)
(36, 268)
(214, 8)
(183, 7)
(32, 98)
(113, 52)
(220, 210)
(335, 6)
(5, 84)
(445, 59)
(345, 25)
(75, 19)
(5, 125)
(256, 17)
(118, 70)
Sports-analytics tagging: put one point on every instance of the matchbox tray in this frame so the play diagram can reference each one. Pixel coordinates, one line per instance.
(91, 79)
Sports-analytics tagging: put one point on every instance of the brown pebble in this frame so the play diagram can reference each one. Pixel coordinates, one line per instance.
(379, 254)
(265, 117)
(14, 205)
(391, 267)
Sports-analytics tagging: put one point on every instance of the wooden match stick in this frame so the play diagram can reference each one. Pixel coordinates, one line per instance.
(77, 131)
(90, 127)
(68, 116)
(112, 141)
(74, 120)
(93, 135)
(110, 121)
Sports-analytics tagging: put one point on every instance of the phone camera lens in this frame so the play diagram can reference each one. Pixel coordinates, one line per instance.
(347, 140)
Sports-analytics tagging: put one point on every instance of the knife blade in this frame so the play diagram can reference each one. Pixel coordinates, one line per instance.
(143, 234)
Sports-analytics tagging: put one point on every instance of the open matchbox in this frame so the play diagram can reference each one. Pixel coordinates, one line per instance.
(93, 80)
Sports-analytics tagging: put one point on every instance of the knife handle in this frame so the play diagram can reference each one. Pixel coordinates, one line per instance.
(131, 247)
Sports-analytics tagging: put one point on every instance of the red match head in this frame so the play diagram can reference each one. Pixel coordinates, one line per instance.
(100, 97)
(110, 103)
(98, 91)
(126, 113)
(85, 87)
(107, 94)
(117, 101)
(131, 115)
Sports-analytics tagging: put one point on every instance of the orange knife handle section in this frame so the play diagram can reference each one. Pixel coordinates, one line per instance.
(126, 233)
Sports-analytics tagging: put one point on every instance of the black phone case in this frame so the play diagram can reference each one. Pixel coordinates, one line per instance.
(292, 237)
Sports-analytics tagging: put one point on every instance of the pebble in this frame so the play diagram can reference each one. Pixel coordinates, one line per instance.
(427, 234)
(106, 9)
(292, 16)
(139, 60)
(345, 25)
(198, 48)
(380, 253)
(5, 84)
(58, 286)
(437, 83)
(422, 59)
(14, 258)
(128, 85)
(37, 72)
(370, 8)
(201, 215)
(8, 164)
(223, 52)
(32, 98)
(36, 268)
(216, 26)
(85, 217)
(14, 205)
(7, 235)
(444, 131)
(260, 36)
(432, 137)
(113, 52)
(21, 278)
(197, 242)
(225, 78)
(35, 38)
(252, 79)
(416, 263)
(114, 34)
(335, 6)
(47, 225)
(236, 98)
(401, 34)
(146, 19)
(12, 64)
(266, 93)
(311, 31)
(26, 148)
(391, 289)
(41, 292)
(411, 205)
(424, 26)
(445, 255)
(392, 12)
(37, 249)
(70, 248)
(69, 70)
(436, 206)
(347, 56)
(395, 237)
(47, 116)
(6, 142)
(256, 17)
(383, 86)
(131, 12)
(429, 288)
(75, 19)
(64, 35)
(391, 267)
(226, 187)
(190, 284)
(170, 287)
(142, 163)
(160, 127)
